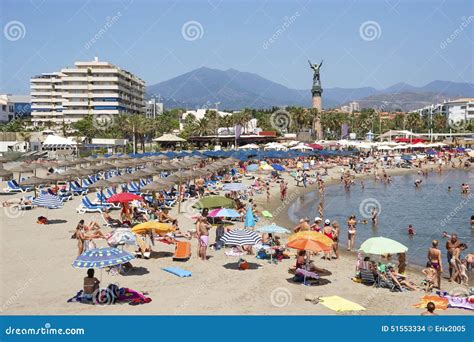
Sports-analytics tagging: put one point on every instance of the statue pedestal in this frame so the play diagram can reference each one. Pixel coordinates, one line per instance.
(317, 103)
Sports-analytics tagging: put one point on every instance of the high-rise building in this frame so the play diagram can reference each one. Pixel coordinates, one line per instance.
(354, 107)
(14, 106)
(89, 88)
(153, 108)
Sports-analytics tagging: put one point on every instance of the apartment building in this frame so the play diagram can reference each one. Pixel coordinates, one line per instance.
(93, 88)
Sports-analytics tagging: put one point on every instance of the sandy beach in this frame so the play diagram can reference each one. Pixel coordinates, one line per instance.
(37, 276)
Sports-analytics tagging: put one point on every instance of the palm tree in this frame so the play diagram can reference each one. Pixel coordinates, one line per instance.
(202, 127)
(439, 122)
(414, 121)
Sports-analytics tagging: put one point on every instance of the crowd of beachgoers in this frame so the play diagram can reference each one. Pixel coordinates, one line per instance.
(131, 206)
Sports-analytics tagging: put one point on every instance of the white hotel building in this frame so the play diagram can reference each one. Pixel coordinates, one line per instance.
(455, 110)
(90, 88)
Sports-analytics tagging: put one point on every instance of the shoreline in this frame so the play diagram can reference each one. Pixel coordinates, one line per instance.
(283, 219)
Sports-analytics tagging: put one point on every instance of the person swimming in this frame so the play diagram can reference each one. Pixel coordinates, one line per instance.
(418, 183)
(411, 230)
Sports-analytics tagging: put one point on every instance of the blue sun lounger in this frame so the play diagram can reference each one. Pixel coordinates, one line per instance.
(177, 271)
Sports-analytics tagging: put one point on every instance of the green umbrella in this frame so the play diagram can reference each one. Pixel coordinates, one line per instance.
(214, 202)
(380, 245)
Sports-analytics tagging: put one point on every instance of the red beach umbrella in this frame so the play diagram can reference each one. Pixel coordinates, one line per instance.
(124, 197)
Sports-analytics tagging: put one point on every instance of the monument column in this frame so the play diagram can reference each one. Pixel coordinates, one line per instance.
(316, 101)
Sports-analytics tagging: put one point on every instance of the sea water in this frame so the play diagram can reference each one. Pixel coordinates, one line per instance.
(431, 209)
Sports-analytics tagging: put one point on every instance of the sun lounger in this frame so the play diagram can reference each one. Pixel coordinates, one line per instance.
(182, 250)
(13, 187)
(87, 207)
(177, 271)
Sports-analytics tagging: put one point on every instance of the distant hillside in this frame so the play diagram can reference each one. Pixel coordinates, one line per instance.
(234, 89)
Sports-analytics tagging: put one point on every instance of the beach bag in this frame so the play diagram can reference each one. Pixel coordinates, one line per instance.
(243, 265)
(261, 254)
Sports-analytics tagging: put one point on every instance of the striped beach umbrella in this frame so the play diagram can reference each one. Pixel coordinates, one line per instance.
(224, 212)
(241, 237)
(234, 187)
(48, 201)
(102, 257)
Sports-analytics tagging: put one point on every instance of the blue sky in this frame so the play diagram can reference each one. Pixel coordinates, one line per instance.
(146, 37)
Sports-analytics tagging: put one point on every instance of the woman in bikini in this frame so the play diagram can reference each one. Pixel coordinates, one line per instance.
(351, 232)
(335, 239)
(434, 257)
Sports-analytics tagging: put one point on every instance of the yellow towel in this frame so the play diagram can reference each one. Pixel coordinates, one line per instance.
(337, 303)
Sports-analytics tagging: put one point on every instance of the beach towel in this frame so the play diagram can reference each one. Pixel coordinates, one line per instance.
(440, 303)
(340, 304)
(460, 302)
(177, 271)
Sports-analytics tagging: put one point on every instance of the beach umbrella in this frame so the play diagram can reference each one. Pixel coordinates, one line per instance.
(278, 167)
(21, 168)
(310, 241)
(34, 181)
(241, 237)
(5, 173)
(48, 201)
(234, 187)
(252, 167)
(213, 202)
(381, 245)
(249, 218)
(273, 229)
(224, 212)
(117, 180)
(124, 197)
(102, 257)
(121, 236)
(157, 227)
(157, 186)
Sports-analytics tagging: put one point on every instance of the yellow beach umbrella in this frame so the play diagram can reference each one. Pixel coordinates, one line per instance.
(157, 227)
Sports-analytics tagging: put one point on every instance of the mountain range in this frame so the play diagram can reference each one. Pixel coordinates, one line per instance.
(233, 90)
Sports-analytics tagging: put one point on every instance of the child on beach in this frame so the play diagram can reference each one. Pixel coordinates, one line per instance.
(430, 277)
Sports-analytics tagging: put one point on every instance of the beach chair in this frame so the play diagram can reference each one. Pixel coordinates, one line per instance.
(367, 276)
(12, 186)
(77, 190)
(87, 207)
(182, 251)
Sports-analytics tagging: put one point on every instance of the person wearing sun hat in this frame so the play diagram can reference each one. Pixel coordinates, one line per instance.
(316, 226)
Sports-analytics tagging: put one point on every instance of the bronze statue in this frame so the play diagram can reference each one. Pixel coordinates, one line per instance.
(316, 76)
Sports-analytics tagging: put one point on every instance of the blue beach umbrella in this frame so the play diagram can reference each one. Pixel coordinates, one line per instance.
(252, 167)
(249, 218)
(48, 201)
(102, 257)
(273, 229)
(278, 167)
